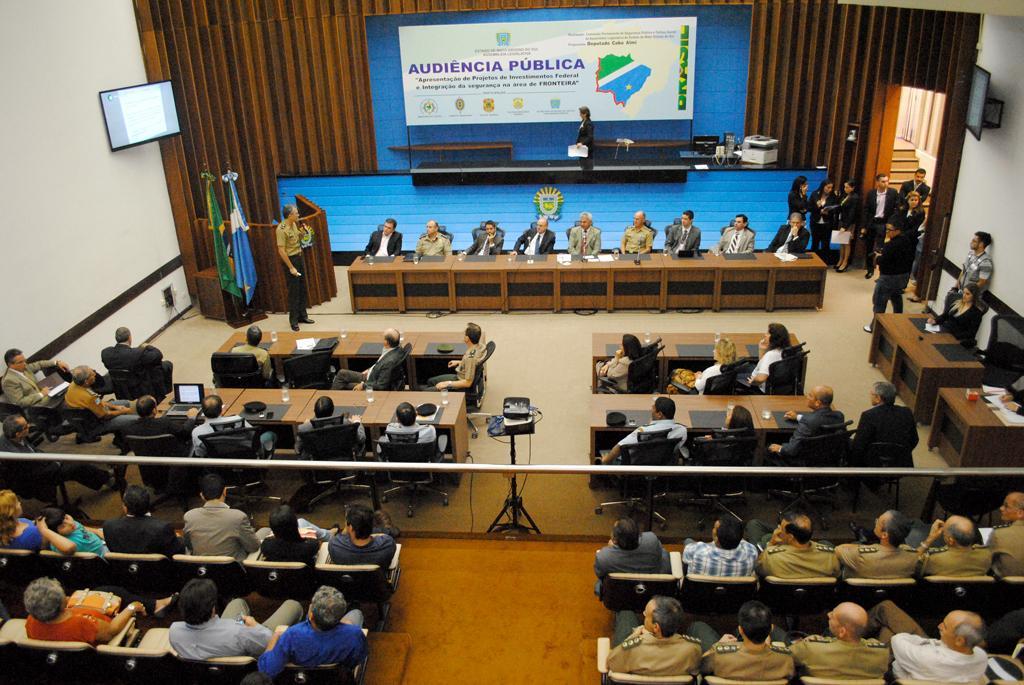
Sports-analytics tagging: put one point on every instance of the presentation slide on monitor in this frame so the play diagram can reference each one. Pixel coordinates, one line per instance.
(622, 69)
(139, 113)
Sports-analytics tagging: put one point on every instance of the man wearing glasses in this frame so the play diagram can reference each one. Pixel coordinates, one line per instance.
(894, 259)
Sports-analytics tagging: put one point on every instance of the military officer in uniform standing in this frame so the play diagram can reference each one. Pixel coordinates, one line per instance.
(1007, 541)
(655, 648)
(289, 249)
(890, 558)
(791, 553)
(753, 657)
(845, 654)
(960, 556)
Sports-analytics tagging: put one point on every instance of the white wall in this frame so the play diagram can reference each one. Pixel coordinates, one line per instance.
(990, 185)
(82, 224)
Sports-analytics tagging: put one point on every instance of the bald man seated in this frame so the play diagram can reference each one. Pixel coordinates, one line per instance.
(960, 555)
(818, 422)
(536, 241)
(846, 653)
(956, 657)
(377, 376)
(1007, 541)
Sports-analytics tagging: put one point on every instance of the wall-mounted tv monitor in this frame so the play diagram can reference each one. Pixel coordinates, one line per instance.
(139, 114)
(976, 101)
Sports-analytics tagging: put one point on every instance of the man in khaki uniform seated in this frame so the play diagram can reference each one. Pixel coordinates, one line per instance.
(889, 558)
(655, 647)
(790, 553)
(253, 337)
(1007, 541)
(960, 556)
(754, 656)
(433, 243)
(638, 238)
(846, 654)
(465, 368)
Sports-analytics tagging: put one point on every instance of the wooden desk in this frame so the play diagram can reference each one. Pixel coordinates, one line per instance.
(658, 282)
(346, 398)
(915, 363)
(970, 434)
(452, 421)
(441, 148)
(296, 405)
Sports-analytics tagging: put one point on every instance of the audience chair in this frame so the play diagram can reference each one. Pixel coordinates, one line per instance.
(128, 385)
(83, 423)
(75, 572)
(51, 660)
(725, 382)
(827, 449)
(330, 440)
(641, 377)
(887, 455)
(228, 574)
(18, 567)
(786, 376)
(798, 596)
(308, 370)
(973, 593)
(48, 420)
(653, 449)
(1011, 591)
(325, 674)
(10, 409)
(609, 677)
(715, 680)
(702, 594)
(142, 573)
(399, 376)
(279, 579)
(364, 583)
(233, 440)
(621, 591)
(475, 392)
(147, 658)
(404, 449)
(968, 497)
(225, 670)
(868, 592)
(722, 448)
(156, 477)
(809, 680)
(1004, 356)
(236, 370)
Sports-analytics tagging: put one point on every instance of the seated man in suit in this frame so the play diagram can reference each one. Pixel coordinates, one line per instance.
(39, 479)
(791, 238)
(822, 415)
(434, 243)
(137, 532)
(638, 238)
(751, 656)
(385, 241)
(253, 338)
(884, 422)
(378, 375)
(652, 645)
(215, 529)
(174, 480)
(114, 416)
(356, 543)
(488, 242)
(585, 239)
(19, 382)
(663, 415)
(535, 241)
(151, 373)
(322, 409)
(961, 554)
(888, 558)
(1007, 541)
(737, 239)
(630, 551)
(790, 552)
(682, 237)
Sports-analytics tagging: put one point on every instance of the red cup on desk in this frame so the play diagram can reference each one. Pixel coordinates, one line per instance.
(972, 395)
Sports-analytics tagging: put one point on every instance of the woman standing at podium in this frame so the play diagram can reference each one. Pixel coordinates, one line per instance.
(289, 247)
(586, 137)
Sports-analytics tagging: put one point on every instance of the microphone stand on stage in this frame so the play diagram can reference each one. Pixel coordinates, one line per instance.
(514, 508)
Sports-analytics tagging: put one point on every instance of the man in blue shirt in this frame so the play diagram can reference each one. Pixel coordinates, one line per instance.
(329, 635)
(663, 415)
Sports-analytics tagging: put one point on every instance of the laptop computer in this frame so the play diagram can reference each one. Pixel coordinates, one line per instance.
(55, 384)
(186, 396)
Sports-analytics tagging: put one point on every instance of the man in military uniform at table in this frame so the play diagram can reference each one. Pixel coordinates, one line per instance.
(889, 558)
(656, 647)
(753, 656)
(961, 555)
(844, 654)
(1007, 541)
(790, 552)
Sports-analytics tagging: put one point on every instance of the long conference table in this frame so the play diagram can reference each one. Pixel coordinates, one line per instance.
(542, 283)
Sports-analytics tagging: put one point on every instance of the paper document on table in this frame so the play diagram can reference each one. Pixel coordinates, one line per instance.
(992, 390)
(701, 167)
(59, 388)
(305, 344)
(563, 258)
(933, 328)
(578, 151)
(786, 257)
(841, 237)
(605, 258)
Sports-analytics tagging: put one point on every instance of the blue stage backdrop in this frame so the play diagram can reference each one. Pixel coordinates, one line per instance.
(355, 205)
(720, 82)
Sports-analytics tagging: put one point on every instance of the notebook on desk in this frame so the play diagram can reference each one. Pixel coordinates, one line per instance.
(55, 384)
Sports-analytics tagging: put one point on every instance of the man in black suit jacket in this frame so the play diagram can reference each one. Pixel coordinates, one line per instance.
(879, 205)
(884, 422)
(376, 376)
(808, 426)
(544, 243)
(793, 235)
(175, 480)
(915, 184)
(388, 232)
(151, 374)
(489, 241)
(137, 532)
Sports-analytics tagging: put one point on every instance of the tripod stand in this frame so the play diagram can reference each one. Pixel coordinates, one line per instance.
(513, 508)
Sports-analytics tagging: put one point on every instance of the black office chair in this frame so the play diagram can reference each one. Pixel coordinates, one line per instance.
(786, 376)
(723, 448)
(475, 392)
(131, 384)
(236, 370)
(405, 449)
(308, 370)
(332, 440)
(725, 382)
(829, 449)
(170, 482)
(443, 230)
(498, 233)
(652, 449)
(83, 423)
(399, 376)
(1003, 357)
(887, 455)
(235, 440)
(47, 420)
(641, 376)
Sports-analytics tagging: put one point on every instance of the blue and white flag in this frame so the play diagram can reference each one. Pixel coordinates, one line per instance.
(245, 267)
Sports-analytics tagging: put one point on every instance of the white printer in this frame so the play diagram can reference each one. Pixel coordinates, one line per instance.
(760, 150)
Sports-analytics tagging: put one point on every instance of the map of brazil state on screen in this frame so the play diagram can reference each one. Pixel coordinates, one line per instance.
(521, 72)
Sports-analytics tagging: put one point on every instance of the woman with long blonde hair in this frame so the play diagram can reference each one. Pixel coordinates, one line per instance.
(17, 532)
